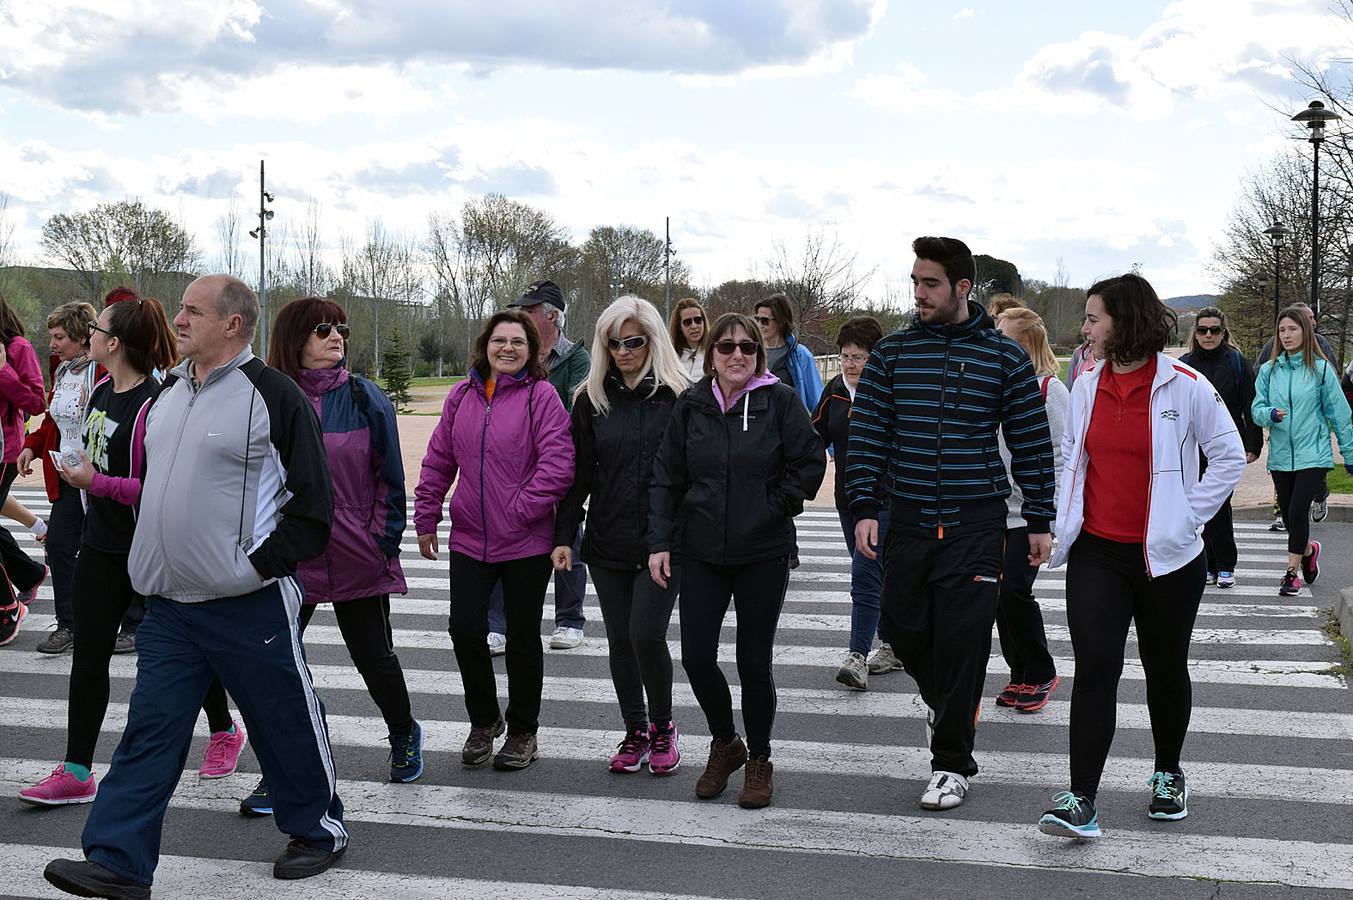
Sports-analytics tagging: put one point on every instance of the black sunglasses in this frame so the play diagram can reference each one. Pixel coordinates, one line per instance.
(694, 320)
(726, 348)
(629, 343)
(1210, 329)
(763, 320)
(323, 329)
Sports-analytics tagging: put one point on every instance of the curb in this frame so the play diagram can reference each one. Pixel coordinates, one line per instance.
(1343, 612)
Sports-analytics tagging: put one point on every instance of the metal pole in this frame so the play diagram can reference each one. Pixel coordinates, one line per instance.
(667, 268)
(1277, 278)
(1315, 230)
(262, 266)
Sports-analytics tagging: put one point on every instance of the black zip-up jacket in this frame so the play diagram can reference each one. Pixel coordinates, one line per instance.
(733, 482)
(1233, 379)
(925, 415)
(831, 419)
(613, 458)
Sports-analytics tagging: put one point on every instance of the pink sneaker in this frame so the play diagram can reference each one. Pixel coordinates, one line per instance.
(223, 753)
(60, 788)
(633, 752)
(665, 756)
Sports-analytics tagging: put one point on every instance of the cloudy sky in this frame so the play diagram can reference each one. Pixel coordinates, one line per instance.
(1099, 134)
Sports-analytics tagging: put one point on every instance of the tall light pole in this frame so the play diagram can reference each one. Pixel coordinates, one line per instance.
(616, 288)
(667, 272)
(1276, 235)
(1314, 117)
(261, 232)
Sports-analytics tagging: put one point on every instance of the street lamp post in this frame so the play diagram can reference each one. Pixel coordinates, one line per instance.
(261, 233)
(1276, 235)
(616, 288)
(1314, 117)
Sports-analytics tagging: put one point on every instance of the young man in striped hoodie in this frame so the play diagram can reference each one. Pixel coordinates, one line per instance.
(923, 431)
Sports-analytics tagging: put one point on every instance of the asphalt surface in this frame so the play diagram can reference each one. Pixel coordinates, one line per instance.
(1269, 759)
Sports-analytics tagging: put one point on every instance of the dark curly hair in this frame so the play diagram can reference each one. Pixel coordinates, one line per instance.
(1142, 325)
(862, 331)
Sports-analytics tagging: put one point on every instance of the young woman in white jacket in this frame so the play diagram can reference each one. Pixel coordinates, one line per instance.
(1130, 514)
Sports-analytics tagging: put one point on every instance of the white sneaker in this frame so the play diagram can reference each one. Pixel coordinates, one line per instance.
(497, 643)
(565, 638)
(883, 660)
(853, 673)
(945, 791)
(1320, 509)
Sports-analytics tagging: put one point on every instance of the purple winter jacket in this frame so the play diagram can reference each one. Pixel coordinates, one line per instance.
(362, 557)
(515, 461)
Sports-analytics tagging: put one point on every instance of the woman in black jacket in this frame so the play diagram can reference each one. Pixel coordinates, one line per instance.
(1212, 352)
(635, 377)
(738, 461)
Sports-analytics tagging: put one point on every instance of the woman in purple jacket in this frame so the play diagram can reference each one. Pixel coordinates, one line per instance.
(504, 431)
(359, 568)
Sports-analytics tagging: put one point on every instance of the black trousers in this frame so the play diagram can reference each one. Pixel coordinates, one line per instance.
(1296, 492)
(365, 626)
(1219, 538)
(637, 614)
(758, 592)
(1107, 589)
(102, 591)
(939, 603)
(24, 572)
(64, 525)
(1019, 621)
(524, 582)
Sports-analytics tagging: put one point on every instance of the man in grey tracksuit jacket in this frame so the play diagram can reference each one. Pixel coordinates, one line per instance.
(236, 492)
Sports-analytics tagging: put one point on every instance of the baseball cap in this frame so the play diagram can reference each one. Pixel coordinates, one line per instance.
(540, 292)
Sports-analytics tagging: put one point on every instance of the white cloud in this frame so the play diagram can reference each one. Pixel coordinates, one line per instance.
(904, 90)
(965, 13)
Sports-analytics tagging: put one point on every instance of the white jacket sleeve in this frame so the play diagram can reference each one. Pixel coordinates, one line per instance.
(1220, 442)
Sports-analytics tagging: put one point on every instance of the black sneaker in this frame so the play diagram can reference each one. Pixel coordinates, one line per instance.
(1310, 563)
(1320, 510)
(10, 617)
(125, 642)
(1169, 796)
(406, 755)
(1074, 816)
(59, 640)
(259, 803)
(86, 879)
(1278, 524)
(1290, 586)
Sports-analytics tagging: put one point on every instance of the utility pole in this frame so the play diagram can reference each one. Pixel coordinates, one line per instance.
(667, 269)
(261, 232)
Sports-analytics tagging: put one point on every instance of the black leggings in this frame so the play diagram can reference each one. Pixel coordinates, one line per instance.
(24, 572)
(758, 593)
(1019, 621)
(365, 626)
(102, 591)
(637, 613)
(1107, 588)
(1296, 491)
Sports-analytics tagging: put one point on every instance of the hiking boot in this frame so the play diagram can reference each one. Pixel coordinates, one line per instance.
(519, 751)
(1310, 564)
(1010, 694)
(1169, 796)
(60, 788)
(883, 660)
(406, 754)
(854, 672)
(1226, 580)
(10, 617)
(1320, 509)
(478, 747)
(125, 642)
(86, 879)
(725, 758)
(633, 753)
(1035, 696)
(1074, 816)
(223, 753)
(1278, 524)
(756, 784)
(259, 803)
(945, 791)
(1290, 586)
(59, 640)
(664, 755)
(497, 643)
(565, 638)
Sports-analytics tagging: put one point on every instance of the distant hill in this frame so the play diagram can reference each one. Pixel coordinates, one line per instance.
(1191, 301)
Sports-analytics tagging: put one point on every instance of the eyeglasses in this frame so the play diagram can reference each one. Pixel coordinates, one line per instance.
(854, 358)
(693, 320)
(726, 348)
(763, 320)
(630, 343)
(94, 326)
(323, 329)
(1209, 329)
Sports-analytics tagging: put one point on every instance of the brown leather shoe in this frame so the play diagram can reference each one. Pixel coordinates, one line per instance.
(519, 751)
(724, 759)
(756, 786)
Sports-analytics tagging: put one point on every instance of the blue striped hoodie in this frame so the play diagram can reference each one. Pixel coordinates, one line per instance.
(925, 416)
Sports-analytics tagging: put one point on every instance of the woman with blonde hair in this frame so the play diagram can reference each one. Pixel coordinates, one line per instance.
(619, 416)
(1019, 622)
(689, 331)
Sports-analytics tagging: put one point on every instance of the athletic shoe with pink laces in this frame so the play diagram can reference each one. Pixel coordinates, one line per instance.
(633, 752)
(60, 788)
(223, 753)
(664, 756)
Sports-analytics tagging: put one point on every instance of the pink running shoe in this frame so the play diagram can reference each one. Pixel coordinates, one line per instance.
(633, 752)
(223, 753)
(60, 788)
(665, 755)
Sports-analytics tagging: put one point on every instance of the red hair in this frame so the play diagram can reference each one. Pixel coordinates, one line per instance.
(118, 294)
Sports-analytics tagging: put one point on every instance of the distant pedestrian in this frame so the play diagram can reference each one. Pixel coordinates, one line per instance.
(689, 328)
(786, 358)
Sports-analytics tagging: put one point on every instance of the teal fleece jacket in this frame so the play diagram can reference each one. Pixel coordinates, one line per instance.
(1314, 407)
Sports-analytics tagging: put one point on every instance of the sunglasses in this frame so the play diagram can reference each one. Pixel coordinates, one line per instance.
(693, 320)
(1209, 329)
(726, 348)
(763, 320)
(323, 329)
(630, 343)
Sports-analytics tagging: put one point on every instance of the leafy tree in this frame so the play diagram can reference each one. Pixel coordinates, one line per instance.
(996, 276)
(123, 237)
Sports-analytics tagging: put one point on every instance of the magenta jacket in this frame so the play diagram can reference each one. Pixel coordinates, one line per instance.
(515, 461)
(21, 394)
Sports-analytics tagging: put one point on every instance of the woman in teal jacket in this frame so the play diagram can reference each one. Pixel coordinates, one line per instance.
(1298, 399)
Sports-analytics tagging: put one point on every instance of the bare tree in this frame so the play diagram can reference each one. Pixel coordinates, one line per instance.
(125, 237)
(820, 278)
(229, 257)
(311, 277)
(6, 233)
(383, 271)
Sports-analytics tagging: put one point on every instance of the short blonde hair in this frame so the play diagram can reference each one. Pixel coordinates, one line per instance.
(1026, 327)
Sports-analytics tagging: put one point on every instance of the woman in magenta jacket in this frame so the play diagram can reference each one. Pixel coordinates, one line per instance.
(21, 396)
(504, 431)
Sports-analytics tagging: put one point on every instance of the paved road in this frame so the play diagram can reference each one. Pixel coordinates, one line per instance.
(1269, 760)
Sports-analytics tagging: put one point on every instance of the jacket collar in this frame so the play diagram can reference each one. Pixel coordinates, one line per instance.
(184, 370)
(978, 320)
(1165, 372)
(501, 381)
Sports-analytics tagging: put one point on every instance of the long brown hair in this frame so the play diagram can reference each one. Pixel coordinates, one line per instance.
(480, 362)
(1310, 349)
(11, 326)
(142, 326)
(292, 327)
(674, 326)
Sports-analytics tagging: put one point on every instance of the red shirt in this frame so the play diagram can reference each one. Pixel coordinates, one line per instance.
(1118, 447)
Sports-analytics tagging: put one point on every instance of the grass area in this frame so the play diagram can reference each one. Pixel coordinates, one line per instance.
(1331, 629)
(1339, 481)
(427, 382)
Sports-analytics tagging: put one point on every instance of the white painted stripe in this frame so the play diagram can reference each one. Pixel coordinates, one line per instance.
(869, 835)
(237, 879)
(1236, 781)
(812, 701)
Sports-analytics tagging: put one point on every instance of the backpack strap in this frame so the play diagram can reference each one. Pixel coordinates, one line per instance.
(1043, 386)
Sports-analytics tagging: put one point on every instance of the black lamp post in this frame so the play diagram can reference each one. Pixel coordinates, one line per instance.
(1276, 235)
(1314, 117)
